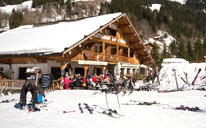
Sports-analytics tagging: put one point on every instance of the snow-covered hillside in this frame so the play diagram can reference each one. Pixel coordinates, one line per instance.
(8, 8)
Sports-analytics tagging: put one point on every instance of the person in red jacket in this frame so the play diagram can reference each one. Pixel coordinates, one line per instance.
(66, 82)
(94, 79)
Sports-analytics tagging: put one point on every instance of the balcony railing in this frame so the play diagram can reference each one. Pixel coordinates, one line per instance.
(109, 58)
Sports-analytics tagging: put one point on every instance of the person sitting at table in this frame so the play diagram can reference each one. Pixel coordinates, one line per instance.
(94, 81)
(107, 80)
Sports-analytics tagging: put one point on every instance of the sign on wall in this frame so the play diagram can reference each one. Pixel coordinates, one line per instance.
(46, 81)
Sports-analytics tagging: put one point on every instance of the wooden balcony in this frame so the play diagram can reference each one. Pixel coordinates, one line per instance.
(108, 58)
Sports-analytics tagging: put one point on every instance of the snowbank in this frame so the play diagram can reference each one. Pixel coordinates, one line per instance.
(167, 77)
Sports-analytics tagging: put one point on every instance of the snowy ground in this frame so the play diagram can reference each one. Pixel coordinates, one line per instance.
(155, 116)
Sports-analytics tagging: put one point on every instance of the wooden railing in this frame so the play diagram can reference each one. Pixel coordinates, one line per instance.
(107, 57)
(11, 84)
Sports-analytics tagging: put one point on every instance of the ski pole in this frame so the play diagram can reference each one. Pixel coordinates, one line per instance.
(118, 101)
(106, 100)
(117, 95)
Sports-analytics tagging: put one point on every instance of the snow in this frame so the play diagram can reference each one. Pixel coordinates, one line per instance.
(155, 116)
(50, 38)
(155, 7)
(179, 1)
(174, 60)
(8, 8)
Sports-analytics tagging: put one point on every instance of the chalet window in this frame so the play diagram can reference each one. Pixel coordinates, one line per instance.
(110, 31)
(1, 69)
(131, 54)
(128, 71)
(142, 70)
(22, 73)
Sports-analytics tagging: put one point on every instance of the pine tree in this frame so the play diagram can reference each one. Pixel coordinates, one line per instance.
(182, 50)
(204, 46)
(173, 48)
(155, 54)
(164, 52)
(190, 52)
(199, 50)
(15, 19)
(68, 8)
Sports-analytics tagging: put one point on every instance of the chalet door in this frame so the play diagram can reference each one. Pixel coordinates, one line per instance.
(79, 70)
(99, 71)
(22, 73)
(56, 72)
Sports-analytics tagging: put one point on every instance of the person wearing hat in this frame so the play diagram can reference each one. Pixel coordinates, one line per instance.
(66, 81)
(29, 85)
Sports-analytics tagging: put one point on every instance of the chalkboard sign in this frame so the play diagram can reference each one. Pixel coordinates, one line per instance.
(46, 81)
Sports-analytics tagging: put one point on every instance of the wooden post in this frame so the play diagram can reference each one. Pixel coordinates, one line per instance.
(63, 68)
(128, 52)
(37, 74)
(103, 50)
(103, 68)
(176, 79)
(118, 53)
(85, 70)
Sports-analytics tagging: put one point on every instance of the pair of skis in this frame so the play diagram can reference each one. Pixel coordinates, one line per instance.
(110, 112)
(81, 109)
(7, 101)
(87, 107)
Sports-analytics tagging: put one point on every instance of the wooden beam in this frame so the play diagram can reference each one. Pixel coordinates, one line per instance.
(134, 42)
(147, 62)
(124, 26)
(137, 50)
(128, 52)
(129, 34)
(143, 57)
(85, 70)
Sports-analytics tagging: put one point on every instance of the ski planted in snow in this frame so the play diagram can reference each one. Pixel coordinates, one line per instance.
(88, 108)
(196, 76)
(183, 80)
(80, 108)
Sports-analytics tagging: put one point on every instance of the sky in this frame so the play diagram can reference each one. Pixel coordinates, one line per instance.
(162, 115)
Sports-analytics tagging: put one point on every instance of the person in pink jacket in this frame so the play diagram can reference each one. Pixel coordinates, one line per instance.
(66, 81)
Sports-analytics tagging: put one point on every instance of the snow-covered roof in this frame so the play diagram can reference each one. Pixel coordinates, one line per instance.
(50, 38)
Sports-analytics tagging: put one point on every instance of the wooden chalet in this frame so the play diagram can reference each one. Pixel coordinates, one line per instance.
(115, 46)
